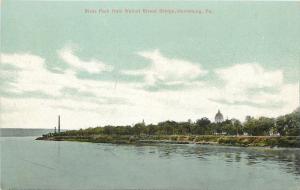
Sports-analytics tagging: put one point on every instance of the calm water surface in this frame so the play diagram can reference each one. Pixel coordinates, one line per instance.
(30, 164)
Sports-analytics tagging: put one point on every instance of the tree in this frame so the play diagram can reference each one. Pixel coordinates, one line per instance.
(259, 127)
(293, 123)
(202, 126)
(151, 129)
(288, 124)
(139, 129)
(280, 125)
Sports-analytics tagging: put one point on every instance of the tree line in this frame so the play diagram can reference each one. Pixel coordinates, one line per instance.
(286, 125)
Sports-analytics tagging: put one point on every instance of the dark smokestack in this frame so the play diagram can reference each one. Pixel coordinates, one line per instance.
(58, 123)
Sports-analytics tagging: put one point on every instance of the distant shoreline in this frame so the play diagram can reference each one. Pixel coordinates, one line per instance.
(241, 141)
(23, 132)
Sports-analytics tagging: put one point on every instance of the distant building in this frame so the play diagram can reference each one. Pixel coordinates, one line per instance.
(219, 117)
(248, 117)
(273, 133)
(245, 134)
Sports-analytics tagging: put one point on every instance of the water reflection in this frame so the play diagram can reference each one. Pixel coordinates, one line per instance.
(161, 166)
(287, 159)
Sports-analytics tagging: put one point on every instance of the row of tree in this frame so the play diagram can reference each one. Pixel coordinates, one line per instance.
(286, 125)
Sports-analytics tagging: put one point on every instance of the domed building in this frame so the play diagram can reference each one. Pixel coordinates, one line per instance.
(219, 117)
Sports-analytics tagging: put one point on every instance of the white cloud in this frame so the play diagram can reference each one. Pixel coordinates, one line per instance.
(166, 70)
(250, 75)
(135, 104)
(91, 66)
(251, 84)
(31, 75)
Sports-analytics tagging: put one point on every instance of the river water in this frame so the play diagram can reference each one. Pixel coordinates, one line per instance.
(30, 164)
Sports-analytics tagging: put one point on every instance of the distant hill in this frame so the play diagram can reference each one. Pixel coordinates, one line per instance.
(19, 132)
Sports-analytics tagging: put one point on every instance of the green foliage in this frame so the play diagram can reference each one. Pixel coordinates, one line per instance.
(259, 127)
(287, 125)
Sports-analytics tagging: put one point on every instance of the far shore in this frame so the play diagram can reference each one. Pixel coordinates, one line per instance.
(242, 141)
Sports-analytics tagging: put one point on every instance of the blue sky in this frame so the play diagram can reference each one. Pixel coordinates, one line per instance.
(97, 69)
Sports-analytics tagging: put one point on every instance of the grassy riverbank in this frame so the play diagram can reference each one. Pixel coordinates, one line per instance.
(259, 141)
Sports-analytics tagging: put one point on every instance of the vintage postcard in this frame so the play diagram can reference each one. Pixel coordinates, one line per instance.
(161, 95)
